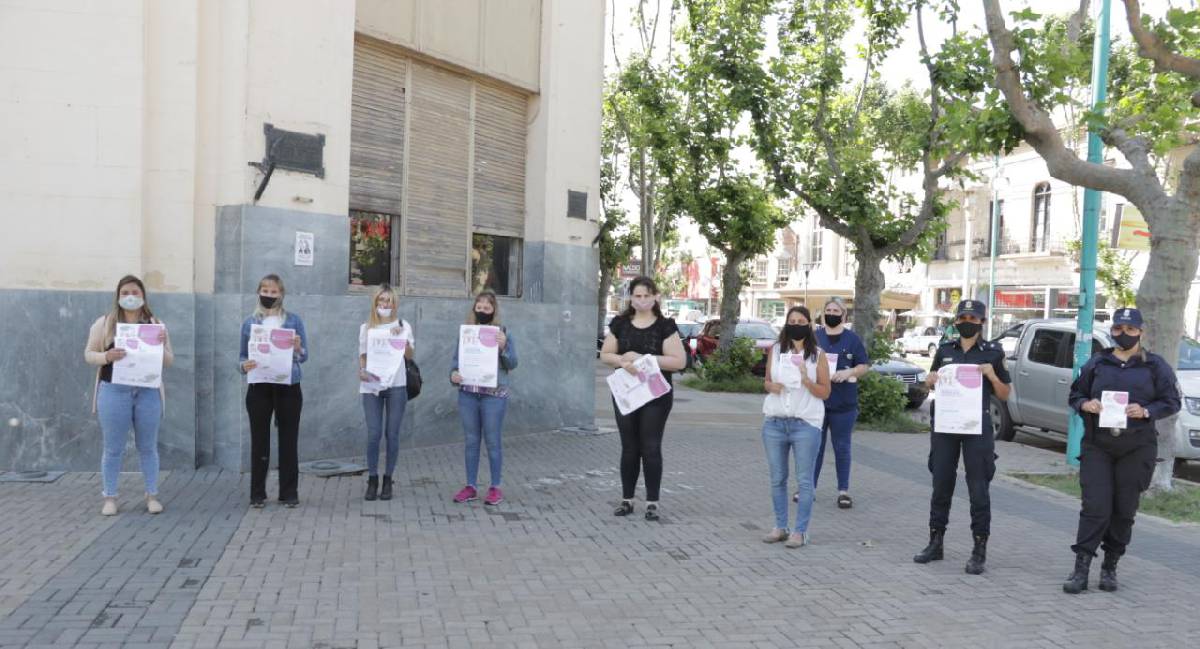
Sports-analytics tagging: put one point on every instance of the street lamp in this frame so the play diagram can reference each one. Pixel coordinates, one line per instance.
(808, 267)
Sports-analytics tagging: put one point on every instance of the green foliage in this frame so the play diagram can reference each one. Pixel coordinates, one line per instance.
(1181, 504)
(730, 364)
(745, 384)
(880, 398)
(614, 238)
(1114, 272)
(900, 423)
(883, 347)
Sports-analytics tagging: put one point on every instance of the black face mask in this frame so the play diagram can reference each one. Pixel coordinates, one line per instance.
(484, 318)
(832, 321)
(797, 332)
(968, 329)
(268, 302)
(1126, 341)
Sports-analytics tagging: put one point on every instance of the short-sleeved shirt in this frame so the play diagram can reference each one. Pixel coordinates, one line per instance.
(648, 340)
(983, 351)
(850, 353)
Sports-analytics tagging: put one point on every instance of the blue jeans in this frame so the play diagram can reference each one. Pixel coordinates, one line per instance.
(119, 408)
(781, 435)
(482, 418)
(394, 400)
(838, 426)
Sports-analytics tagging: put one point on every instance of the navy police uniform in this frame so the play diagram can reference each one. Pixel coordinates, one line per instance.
(977, 451)
(1116, 464)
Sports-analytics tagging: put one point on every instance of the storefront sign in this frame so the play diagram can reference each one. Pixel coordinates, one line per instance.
(1132, 231)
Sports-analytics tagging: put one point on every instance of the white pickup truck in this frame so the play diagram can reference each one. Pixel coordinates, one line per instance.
(1040, 364)
(921, 340)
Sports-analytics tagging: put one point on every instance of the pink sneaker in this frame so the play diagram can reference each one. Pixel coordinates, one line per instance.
(494, 496)
(467, 494)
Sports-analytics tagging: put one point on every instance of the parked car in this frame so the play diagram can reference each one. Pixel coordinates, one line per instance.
(1009, 339)
(910, 374)
(1040, 366)
(760, 331)
(921, 340)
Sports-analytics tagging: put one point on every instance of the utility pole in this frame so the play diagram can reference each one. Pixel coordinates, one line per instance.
(1091, 227)
(995, 244)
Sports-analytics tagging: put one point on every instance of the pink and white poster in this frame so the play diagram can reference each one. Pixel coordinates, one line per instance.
(143, 363)
(271, 349)
(385, 358)
(479, 355)
(632, 391)
(959, 400)
(1112, 409)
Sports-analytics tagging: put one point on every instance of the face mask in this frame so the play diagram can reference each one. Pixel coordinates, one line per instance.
(1126, 341)
(484, 318)
(833, 321)
(268, 302)
(383, 312)
(797, 332)
(968, 329)
(131, 302)
(643, 303)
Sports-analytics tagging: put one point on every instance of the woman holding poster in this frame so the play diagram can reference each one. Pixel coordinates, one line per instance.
(641, 330)
(483, 396)
(385, 342)
(274, 345)
(123, 404)
(797, 384)
(848, 361)
(1120, 394)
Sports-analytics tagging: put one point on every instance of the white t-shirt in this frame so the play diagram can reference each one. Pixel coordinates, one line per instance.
(797, 403)
(273, 322)
(406, 334)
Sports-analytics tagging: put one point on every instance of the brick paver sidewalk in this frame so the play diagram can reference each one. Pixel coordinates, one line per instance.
(552, 567)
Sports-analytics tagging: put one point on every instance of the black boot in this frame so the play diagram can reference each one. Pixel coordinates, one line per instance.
(933, 551)
(1108, 572)
(386, 494)
(1077, 582)
(978, 556)
(372, 487)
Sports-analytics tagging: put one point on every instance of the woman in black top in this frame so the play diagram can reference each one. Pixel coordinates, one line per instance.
(641, 329)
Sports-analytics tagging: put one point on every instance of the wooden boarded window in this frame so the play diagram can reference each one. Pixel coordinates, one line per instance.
(499, 183)
(377, 121)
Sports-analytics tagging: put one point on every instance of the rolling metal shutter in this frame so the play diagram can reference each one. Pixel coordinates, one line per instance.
(377, 123)
(498, 205)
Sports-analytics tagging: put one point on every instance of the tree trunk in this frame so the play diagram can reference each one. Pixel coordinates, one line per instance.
(1162, 298)
(868, 285)
(646, 216)
(731, 290)
(602, 298)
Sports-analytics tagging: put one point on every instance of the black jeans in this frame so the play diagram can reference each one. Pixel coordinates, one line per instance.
(641, 445)
(979, 458)
(285, 402)
(1113, 473)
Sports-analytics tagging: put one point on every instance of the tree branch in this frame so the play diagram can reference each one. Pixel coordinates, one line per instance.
(1151, 47)
(1040, 130)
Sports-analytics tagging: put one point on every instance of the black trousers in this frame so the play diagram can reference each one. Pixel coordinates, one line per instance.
(641, 445)
(284, 402)
(978, 454)
(1113, 473)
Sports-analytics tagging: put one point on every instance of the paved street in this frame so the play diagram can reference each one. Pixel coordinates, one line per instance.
(552, 567)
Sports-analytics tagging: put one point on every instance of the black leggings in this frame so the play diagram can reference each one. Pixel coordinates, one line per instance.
(641, 444)
(284, 402)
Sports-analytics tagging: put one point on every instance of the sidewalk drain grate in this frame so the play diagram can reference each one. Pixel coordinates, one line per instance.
(31, 476)
(330, 468)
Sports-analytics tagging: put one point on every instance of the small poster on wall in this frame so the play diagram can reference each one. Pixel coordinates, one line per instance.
(304, 248)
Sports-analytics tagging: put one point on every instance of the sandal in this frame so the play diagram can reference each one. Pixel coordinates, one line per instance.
(624, 509)
(844, 501)
(651, 512)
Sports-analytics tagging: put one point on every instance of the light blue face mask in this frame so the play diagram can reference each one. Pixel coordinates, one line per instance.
(131, 302)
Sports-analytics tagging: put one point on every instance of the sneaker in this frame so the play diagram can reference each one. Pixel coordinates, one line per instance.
(110, 507)
(796, 540)
(258, 503)
(776, 535)
(494, 496)
(467, 494)
(152, 504)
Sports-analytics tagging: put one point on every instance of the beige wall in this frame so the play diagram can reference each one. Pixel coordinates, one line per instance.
(496, 38)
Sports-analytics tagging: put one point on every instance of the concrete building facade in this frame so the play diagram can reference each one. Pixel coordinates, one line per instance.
(440, 146)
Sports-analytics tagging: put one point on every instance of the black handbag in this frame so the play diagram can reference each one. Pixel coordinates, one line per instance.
(412, 379)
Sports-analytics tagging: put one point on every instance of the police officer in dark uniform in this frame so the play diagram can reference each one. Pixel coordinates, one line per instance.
(978, 451)
(1116, 464)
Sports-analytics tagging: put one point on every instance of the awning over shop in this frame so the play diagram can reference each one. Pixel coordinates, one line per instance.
(817, 295)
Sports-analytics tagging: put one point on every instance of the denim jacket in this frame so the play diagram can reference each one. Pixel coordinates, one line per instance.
(508, 360)
(290, 321)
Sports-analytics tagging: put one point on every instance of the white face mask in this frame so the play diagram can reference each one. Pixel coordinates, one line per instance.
(643, 303)
(383, 312)
(131, 302)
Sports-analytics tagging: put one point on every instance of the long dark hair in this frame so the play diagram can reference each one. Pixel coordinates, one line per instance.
(809, 341)
(650, 286)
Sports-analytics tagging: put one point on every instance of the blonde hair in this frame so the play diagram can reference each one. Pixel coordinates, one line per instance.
(373, 320)
(490, 297)
(114, 316)
(259, 311)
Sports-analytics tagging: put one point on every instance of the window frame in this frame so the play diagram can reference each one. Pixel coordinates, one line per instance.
(1041, 207)
(517, 267)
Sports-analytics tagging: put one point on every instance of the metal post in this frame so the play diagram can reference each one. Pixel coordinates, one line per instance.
(1091, 227)
(995, 243)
